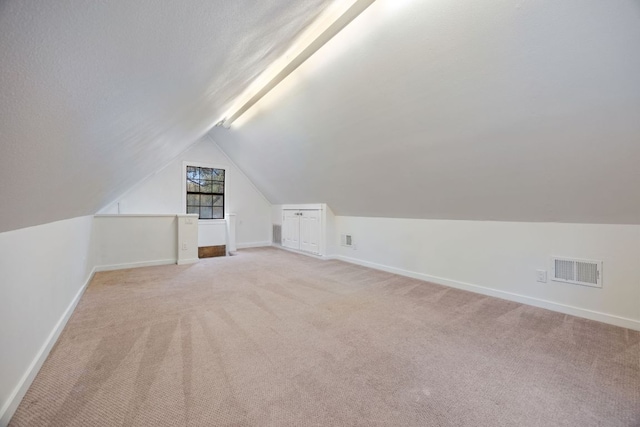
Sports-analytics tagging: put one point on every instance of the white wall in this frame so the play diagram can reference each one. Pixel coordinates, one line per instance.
(124, 241)
(276, 214)
(501, 259)
(476, 110)
(43, 270)
(212, 233)
(162, 194)
(187, 238)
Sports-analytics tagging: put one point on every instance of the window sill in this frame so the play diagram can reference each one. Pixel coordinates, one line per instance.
(211, 221)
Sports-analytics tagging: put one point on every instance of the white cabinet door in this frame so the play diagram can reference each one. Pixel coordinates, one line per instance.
(291, 229)
(310, 231)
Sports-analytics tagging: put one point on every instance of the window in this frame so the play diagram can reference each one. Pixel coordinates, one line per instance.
(205, 192)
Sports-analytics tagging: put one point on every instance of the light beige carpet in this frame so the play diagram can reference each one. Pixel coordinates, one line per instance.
(270, 338)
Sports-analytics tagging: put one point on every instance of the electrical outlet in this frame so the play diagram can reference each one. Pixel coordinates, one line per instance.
(541, 276)
(184, 246)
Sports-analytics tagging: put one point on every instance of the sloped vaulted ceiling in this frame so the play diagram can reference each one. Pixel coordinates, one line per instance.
(485, 110)
(96, 95)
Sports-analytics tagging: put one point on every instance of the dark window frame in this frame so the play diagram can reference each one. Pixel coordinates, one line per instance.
(202, 182)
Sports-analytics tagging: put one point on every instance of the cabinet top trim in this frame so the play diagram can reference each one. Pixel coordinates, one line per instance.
(314, 206)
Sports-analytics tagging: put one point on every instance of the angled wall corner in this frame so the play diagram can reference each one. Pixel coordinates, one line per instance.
(162, 193)
(434, 111)
(501, 259)
(45, 270)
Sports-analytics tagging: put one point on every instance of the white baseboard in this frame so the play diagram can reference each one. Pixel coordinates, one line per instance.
(536, 302)
(7, 411)
(136, 264)
(253, 245)
(187, 261)
(316, 256)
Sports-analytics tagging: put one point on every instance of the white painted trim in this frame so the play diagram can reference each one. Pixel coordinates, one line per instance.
(309, 254)
(209, 222)
(168, 215)
(523, 299)
(324, 232)
(25, 382)
(136, 264)
(302, 207)
(197, 164)
(186, 163)
(187, 261)
(253, 245)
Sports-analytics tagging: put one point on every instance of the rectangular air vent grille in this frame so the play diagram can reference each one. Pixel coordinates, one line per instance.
(577, 271)
(277, 234)
(346, 240)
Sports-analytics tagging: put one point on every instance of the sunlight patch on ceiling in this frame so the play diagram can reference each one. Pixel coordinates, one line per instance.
(328, 24)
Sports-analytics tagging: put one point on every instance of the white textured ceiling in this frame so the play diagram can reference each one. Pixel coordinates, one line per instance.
(487, 110)
(97, 95)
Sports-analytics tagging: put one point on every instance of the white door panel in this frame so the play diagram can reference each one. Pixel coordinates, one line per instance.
(291, 229)
(310, 231)
(301, 230)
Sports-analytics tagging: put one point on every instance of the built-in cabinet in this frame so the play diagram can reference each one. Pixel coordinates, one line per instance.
(303, 228)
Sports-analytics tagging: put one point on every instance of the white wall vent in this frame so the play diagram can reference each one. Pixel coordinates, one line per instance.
(577, 271)
(346, 240)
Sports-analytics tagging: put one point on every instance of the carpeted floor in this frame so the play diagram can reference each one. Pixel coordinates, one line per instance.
(270, 338)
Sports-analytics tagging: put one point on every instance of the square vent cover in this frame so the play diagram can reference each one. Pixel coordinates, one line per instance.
(346, 240)
(577, 271)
